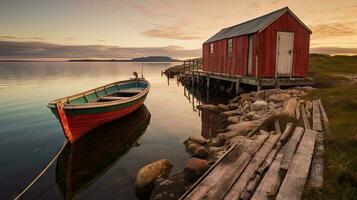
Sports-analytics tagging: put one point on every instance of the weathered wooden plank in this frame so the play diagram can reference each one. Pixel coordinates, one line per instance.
(271, 181)
(252, 168)
(287, 133)
(290, 150)
(324, 118)
(316, 116)
(270, 158)
(253, 183)
(304, 117)
(317, 165)
(294, 182)
(223, 176)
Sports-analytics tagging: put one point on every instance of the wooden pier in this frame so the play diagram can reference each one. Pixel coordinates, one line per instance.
(193, 68)
(276, 165)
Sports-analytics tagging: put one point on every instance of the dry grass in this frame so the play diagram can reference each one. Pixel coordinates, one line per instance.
(339, 98)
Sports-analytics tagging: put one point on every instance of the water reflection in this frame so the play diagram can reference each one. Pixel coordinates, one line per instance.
(82, 163)
(212, 123)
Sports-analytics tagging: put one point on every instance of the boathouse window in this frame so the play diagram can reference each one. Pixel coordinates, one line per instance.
(211, 48)
(229, 47)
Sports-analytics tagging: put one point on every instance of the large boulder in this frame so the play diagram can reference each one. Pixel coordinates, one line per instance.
(233, 119)
(199, 166)
(279, 97)
(230, 113)
(198, 139)
(201, 152)
(266, 93)
(171, 188)
(223, 107)
(259, 105)
(242, 127)
(148, 174)
(290, 107)
(214, 142)
(209, 107)
(191, 146)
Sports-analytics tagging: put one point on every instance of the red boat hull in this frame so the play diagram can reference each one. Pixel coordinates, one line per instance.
(76, 126)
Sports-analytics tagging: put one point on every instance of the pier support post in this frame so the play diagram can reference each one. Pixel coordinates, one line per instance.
(237, 86)
(259, 87)
(207, 83)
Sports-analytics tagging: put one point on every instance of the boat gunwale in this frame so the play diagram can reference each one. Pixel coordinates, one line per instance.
(52, 104)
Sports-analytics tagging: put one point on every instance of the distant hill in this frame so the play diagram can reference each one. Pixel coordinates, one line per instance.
(140, 59)
(154, 59)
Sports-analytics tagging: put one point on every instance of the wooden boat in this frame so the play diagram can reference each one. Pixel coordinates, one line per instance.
(80, 113)
(80, 164)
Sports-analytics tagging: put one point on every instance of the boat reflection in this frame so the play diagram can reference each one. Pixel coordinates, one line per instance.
(81, 163)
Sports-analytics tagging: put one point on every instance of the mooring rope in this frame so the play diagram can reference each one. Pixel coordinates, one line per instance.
(42, 172)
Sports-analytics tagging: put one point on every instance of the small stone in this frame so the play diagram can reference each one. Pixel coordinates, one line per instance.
(259, 105)
(148, 174)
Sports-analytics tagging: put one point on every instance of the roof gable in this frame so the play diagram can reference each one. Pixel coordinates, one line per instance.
(253, 26)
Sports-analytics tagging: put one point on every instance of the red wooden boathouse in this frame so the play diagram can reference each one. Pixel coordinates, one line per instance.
(271, 46)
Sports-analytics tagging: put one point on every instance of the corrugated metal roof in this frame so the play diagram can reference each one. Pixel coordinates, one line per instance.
(250, 26)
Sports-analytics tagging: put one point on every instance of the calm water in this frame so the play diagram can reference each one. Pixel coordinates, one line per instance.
(30, 135)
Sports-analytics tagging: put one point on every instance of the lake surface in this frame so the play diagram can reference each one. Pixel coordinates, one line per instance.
(30, 135)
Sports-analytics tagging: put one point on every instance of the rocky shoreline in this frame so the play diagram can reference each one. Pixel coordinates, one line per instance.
(244, 117)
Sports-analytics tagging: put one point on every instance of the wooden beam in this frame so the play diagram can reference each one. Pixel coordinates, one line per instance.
(316, 116)
(287, 133)
(317, 165)
(324, 118)
(251, 169)
(290, 150)
(304, 117)
(294, 183)
(269, 186)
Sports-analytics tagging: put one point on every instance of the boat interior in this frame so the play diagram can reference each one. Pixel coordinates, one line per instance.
(111, 92)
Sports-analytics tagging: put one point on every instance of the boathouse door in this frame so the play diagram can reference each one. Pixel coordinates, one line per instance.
(284, 54)
(250, 55)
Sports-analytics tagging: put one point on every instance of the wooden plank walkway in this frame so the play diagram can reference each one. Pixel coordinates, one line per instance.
(271, 165)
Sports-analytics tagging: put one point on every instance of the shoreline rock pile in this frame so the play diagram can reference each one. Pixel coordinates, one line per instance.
(244, 118)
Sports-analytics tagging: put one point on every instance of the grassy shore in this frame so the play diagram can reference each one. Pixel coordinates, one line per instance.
(338, 94)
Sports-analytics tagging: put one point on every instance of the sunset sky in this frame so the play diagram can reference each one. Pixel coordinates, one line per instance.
(57, 29)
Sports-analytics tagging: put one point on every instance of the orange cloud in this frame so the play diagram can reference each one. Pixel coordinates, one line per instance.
(170, 33)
